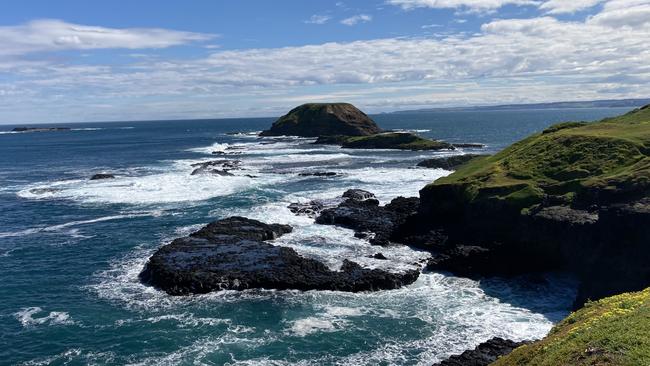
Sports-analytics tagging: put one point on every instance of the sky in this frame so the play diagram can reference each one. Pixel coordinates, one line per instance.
(79, 60)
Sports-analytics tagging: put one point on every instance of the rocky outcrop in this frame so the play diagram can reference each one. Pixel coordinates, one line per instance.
(484, 354)
(361, 212)
(448, 163)
(326, 119)
(232, 254)
(102, 176)
(573, 197)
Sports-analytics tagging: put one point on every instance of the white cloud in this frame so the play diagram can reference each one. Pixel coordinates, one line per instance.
(57, 35)
(623, 13)
(568, 6)
(508, 61)
(361, 18)
(318, 19)
(472, 5)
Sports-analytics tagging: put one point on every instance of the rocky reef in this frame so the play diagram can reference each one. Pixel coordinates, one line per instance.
(234, 254)
(323, 119)
(387, 140)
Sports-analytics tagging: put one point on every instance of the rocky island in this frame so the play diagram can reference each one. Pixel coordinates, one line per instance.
(345, 125)
(324, 119)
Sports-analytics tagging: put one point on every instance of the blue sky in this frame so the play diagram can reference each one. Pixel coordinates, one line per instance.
(133, 60)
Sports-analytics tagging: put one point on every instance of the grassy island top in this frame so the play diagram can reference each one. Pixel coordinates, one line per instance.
(568, 160)
(612, 331)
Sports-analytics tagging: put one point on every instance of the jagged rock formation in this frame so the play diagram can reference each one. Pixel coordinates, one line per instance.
(232, 254)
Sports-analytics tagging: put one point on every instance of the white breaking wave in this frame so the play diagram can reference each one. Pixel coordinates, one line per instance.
(216, 147)
(27, 318)
(170, 187)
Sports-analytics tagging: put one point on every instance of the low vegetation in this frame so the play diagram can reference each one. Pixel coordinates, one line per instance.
(612, 331)
(574, 162)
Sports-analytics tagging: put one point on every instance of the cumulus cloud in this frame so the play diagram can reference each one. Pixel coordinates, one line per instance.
(57, 35)
(565, 6)
(606, 55)
(624, 13)
(354, 20)
(318, 19)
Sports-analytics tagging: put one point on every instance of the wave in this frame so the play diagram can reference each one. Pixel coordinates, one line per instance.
(216, 147)
(27, 319)
(55, 228)
(170, 187)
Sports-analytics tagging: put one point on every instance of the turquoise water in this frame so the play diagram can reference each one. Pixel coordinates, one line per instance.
(71, 249)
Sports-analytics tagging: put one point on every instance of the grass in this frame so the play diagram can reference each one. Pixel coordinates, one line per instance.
(612, 331)
(570, 160)
(391, 140)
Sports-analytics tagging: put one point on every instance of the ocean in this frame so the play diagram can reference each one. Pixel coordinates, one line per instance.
(71, 249)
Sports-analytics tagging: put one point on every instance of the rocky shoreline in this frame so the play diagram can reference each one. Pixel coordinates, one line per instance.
(493, 217)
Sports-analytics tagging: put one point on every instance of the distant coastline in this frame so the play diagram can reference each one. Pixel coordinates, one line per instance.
(607, 103)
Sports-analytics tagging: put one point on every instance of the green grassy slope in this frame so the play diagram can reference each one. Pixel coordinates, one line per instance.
(612, 331)
(566, 161)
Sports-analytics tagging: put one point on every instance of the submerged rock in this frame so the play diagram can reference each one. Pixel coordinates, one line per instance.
(323, 119)
(318, 174)
(40, 129)
(102, 176)
(232, 254)
(217, 167)
(484, 354)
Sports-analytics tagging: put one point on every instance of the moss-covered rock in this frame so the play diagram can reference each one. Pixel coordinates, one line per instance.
(388, 140)
(323, 119)
(613, 331)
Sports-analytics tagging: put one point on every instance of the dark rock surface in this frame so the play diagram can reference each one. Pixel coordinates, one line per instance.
(484, 354)
(102, 176)
(358, 194)
(392, 140)
(313, 120)
(605, 246)
(310, 209)
(217, 167)
(318, 174)
(232, 254)
(448, 163)
(361, 212)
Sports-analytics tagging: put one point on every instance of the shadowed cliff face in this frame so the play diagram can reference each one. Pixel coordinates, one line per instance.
(327, 119)
(573, 197)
